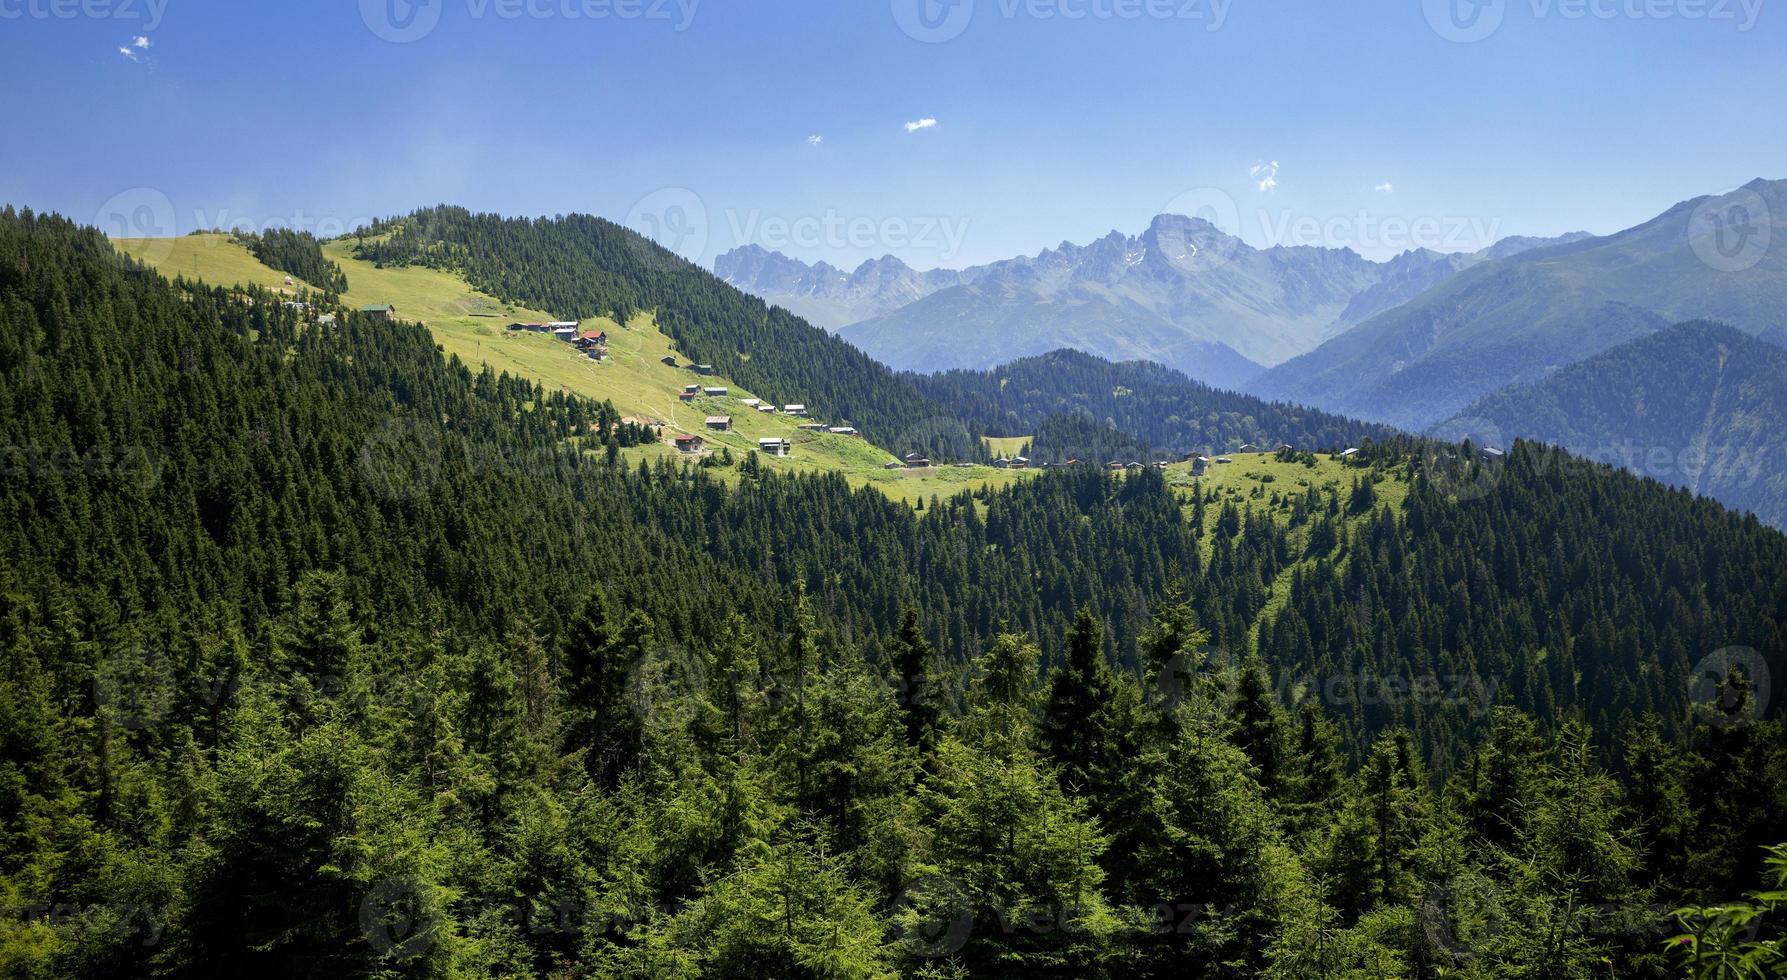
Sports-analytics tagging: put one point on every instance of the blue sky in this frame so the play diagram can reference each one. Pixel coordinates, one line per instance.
(697, 117)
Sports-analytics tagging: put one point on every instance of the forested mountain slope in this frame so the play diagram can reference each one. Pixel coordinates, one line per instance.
(296, 252)
(633, 376)
(1148, 402)
(1699, 405)
(323, 656)
(580, 266)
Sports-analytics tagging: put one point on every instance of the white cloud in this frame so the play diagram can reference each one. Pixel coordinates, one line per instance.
(1265, 175)
(1385, 188)
(815, 140)
(138, 43)
(916, 125)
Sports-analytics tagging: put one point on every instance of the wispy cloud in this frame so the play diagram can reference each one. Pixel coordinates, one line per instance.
(1385, 188)
(137, 45)
(918, 124)
(1265, 175)
(815, 140)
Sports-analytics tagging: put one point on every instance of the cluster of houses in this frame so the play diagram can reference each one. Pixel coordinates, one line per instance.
(1200, 464)
(772, 446)
(712, 391)
(561, 329)
(705, 370)
(591, 343)
(769, 447)
(1488, 454)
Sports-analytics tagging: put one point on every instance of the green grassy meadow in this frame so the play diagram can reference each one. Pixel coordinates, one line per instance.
(472, 326)
(1007, 446)
(1259, 484)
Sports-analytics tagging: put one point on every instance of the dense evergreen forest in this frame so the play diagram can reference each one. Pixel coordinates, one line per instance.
(1152, 404)
(580, 266)
(322, 656)
(1710, 390)
(1061, 439)
(296, 252)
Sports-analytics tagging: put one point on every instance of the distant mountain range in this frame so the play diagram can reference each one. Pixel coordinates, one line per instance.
(1182, 293)
(1698, 405)
(827, 296)
(1668, 339)
(1515, 319)
(1413, 273)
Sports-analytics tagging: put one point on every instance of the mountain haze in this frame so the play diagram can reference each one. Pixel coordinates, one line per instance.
(1182, 293)
(1515, 319)
(827, 296)
(1414, 272)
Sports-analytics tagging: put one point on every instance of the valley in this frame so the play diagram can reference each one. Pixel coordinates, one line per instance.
(1318, 640)
(930, 491)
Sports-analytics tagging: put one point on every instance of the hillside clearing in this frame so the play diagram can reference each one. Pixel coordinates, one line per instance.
(473, 326)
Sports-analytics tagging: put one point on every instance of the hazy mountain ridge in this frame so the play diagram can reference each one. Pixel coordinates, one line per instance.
(1697, 405)
(1181, 293)
(825, 295)
(1515, 319)
(1414, 272)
